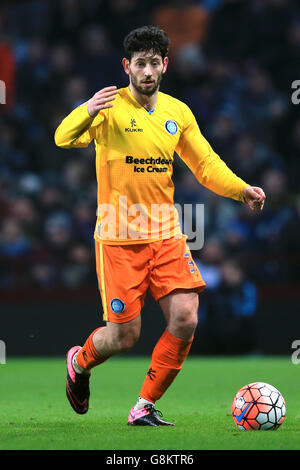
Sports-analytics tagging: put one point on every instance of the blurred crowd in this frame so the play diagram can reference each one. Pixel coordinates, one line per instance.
(233, 62)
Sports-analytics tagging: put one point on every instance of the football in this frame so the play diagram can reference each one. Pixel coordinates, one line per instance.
(258, 406)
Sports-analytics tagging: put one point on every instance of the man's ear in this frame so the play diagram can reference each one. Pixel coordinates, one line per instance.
(165, 62)
(125, 63)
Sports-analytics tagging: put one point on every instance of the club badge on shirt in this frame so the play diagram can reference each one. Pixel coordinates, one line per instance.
(171, 127)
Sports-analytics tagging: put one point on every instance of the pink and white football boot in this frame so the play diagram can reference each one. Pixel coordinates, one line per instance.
(77, 386)
(147, 416)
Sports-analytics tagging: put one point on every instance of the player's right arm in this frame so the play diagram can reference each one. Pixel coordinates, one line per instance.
(78, 129)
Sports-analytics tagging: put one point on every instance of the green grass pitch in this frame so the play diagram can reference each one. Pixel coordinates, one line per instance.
(35, 414)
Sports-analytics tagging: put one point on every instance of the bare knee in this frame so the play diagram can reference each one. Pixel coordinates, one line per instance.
(183, 321)
(186, 318)
(125, 342)
(116, 338)
(124, 336)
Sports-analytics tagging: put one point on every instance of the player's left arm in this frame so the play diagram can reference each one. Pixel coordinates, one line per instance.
(211, 171)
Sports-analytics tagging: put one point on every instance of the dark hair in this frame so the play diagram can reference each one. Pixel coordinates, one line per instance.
(146, 38)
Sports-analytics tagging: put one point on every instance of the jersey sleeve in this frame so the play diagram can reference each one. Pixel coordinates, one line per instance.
(78, 129)
(207, 166)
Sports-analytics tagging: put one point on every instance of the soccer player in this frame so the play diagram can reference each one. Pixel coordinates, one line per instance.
(138, 239)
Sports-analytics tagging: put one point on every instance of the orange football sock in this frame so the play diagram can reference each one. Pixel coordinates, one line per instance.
(167, 359)
(88, 356)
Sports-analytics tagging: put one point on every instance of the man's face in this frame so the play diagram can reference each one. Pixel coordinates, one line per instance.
(145, 70)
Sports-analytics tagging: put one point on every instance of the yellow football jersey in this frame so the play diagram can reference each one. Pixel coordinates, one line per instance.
(134, 164)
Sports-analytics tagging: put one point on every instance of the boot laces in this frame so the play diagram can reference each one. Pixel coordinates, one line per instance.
(152, 409)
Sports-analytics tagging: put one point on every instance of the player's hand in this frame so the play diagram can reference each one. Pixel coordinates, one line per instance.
(102, 100)
(254, 197)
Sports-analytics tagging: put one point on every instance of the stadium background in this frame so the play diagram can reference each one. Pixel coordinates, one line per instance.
(233, 62)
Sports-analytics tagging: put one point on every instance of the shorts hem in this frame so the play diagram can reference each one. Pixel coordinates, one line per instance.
(198, 287)
(122, 319)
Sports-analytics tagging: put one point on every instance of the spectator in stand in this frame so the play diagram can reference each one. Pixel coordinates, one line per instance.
(84, 221)
(227, 313)
(208, 260)
(79, 269)
(289, 240)
(261, 104)
(185, 22)
(15, 251)
(252, 157)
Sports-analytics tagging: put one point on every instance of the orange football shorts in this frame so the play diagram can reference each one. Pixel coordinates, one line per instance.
(126, 272)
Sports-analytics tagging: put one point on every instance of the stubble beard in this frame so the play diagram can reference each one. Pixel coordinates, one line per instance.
(144, 91)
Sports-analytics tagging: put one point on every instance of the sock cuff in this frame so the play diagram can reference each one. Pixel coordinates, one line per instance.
(88, 355)
(167, 336)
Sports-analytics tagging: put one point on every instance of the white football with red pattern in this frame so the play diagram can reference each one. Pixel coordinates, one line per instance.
(258, 406)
